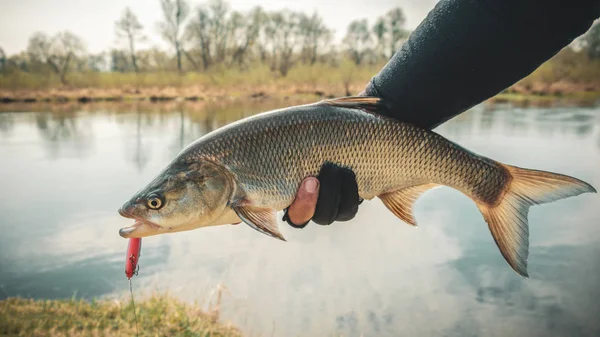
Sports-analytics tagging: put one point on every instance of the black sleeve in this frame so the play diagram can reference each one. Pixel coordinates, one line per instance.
(466, 51)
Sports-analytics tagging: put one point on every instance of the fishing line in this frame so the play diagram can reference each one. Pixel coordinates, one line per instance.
(137, 332)
(131, 269)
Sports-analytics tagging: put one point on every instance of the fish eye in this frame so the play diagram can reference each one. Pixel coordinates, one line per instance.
(154, 201)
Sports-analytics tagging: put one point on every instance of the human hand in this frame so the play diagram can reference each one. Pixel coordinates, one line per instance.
(331, 196)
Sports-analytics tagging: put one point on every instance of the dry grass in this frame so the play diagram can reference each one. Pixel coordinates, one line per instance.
(217, 84)
(568, 74)
(158, 316)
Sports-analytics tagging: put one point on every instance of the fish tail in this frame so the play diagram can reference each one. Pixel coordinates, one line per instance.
(507, 216)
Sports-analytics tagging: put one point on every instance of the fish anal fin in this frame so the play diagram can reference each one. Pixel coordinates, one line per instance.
(264, 220)
(400, 202)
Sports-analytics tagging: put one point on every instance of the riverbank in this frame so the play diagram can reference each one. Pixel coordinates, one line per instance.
(198, 96)
(195, 93)
(215, 85)
(567, 76)
(157, 316)
(196, 99)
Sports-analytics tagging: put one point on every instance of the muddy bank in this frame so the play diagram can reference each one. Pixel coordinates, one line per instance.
(537, 93)
(166, 94)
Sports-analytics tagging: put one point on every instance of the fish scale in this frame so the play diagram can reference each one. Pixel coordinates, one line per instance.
(384, 154)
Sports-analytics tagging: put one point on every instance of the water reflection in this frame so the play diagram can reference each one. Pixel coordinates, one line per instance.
(6, 124)
(523, 122)
(140, 154)
(64, 131)
(71, 168)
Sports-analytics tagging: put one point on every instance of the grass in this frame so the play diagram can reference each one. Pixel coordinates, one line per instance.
(158, 315)
(219, 82)
(569, 73)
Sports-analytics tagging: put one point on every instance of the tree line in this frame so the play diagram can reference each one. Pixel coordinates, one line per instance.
(211, 35)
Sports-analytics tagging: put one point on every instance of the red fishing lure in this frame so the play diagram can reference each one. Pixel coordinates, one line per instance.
(131, 268)
(133, 255)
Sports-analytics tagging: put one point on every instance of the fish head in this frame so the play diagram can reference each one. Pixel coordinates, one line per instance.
(182, 197)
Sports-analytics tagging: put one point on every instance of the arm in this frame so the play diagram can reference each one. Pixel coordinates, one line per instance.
(464, 52)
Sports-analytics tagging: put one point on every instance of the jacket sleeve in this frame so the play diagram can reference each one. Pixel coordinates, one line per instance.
(466, 51)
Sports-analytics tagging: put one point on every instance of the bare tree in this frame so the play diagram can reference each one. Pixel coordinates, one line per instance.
(23, 62)
(314, 34)
(210, 31)
(242, 34)
(219, 27)
(357, 40)
(58, 52)
(39, 49)
(270, 33)
(396, 21)
(97, 62)
(245, 32)
(260, 46)
(282, 33)
(380, 31)
(118, 61)
(592, 41)
(175, 12)
(129, 27)
(2, 59)
(154, 59)
(198, 33)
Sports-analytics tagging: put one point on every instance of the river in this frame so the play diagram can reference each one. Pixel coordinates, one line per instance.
(65, 172)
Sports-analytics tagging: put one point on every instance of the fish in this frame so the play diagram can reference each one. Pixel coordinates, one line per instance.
(250, 169)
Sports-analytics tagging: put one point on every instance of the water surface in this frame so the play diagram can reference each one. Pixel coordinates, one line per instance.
(65, 173)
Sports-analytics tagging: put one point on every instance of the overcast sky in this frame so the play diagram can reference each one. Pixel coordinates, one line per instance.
(93, 20)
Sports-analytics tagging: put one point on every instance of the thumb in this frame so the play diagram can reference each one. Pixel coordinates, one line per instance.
(303, 208)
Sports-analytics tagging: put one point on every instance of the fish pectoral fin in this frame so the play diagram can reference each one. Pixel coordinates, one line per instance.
(401, 202)
(263, 220)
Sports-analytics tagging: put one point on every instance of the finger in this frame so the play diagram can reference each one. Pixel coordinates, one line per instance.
(303, 207)
(329, 195)
(349, 196)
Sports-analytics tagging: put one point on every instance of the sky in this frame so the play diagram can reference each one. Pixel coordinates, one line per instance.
(93, 20)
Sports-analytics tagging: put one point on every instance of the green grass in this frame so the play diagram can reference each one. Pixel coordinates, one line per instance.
(157, 315)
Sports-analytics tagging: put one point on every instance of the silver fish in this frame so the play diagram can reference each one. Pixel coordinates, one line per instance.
(250, 169)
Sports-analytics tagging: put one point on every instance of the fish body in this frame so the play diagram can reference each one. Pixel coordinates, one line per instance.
(269, 154)
(248, 170)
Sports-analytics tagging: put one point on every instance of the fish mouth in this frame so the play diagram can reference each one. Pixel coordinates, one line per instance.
(140, 227)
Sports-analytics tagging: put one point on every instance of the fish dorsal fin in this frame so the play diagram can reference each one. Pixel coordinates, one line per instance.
(366, 103)
(401, 202)
(263, 220)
